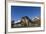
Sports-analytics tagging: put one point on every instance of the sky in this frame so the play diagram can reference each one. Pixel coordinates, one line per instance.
(18, 11)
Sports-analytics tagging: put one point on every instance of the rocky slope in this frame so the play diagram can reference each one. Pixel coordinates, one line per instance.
(27, 22)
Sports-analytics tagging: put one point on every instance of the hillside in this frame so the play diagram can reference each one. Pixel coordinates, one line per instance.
(27, 22)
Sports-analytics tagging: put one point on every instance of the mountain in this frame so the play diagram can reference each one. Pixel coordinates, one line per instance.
(35, 18)
(17, 21)
(36, 21)
(25, 21)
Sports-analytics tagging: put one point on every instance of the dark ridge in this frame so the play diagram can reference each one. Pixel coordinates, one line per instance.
(27, 18)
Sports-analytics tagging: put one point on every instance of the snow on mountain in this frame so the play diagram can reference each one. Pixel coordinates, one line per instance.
(17, 21)
(35, 18)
